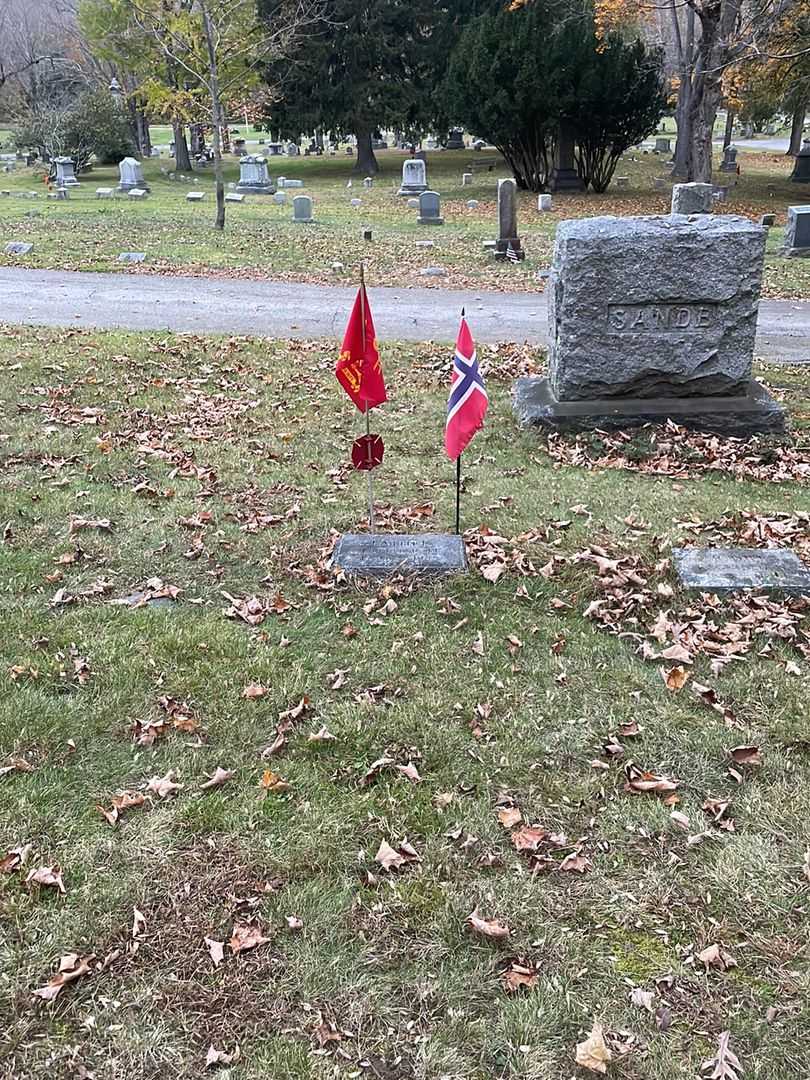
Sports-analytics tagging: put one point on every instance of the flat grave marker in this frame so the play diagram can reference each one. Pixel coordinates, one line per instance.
(725, 570)
(380, 555)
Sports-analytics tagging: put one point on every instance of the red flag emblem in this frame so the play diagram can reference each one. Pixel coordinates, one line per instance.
(358, 369)
(468, 401)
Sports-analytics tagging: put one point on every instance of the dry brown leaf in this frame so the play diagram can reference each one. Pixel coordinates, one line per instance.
(518, 976)
(15, 858)
(216, 950)
(164, 786)
(246, 936)
(492, 571)
(410, 772)
(593, 1054)
(124, 800)
(323, 735)
(640, 782)
(219, 777)
(509, 816)
(746, 755)
(254, 690)
(71, 967)
(216, 1057)
(294, 923)
(715, 956)
(676, 678)
(390, 858)
(725, 1065)
(643, 999)
(528, 838)
(272, 782)
(47, 875)
(576, 863)
(488, 928)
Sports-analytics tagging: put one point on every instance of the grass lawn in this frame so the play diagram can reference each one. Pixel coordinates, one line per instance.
(261, 240)
(506, 707)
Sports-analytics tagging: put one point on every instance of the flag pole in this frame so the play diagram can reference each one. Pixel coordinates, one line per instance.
(458, 477)
(369, 480)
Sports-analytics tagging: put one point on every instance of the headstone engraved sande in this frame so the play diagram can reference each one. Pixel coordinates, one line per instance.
(130, 175)
(508, 239)
(414, 177)
(253, 178)
(379, 555)
(674, 342)
(430, 209)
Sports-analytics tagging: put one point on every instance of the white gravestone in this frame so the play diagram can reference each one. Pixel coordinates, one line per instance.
(195, 196)
(414, 177)
(65, 172)
(131, 175)
(544, 202)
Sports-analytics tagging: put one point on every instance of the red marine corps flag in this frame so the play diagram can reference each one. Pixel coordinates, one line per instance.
(358, 369)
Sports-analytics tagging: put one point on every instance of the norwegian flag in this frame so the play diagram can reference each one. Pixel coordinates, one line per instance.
(468, 400)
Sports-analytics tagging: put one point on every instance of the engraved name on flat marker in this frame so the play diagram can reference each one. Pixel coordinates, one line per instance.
(654, 317)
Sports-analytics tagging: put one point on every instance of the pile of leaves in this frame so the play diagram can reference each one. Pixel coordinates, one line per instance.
(675, 451)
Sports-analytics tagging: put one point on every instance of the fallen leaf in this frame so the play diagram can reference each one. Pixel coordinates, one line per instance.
(219, 777)
(725, 1065)
(164, 786)
(593, 1054)
(715, 956)
(47, 875)
(216, 1057)
(216, 950)
(518, 976)
(15, 858)
(124, 800)
(528, 838)
(576, 863)
(676, 678)
(488, 928)
(138, 923)
(294, 923)
(509, 816)
(246, 936)
(643, 999)
(321, 736)
(272, 782)
(746, 755)
(390, 858)
(639, 781)
(254, 690)
(71, 967)
(410, 772)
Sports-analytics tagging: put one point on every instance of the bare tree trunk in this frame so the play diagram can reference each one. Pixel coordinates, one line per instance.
(144, 138)
(217, 119)
(181, 154)
(366, 161)
(729, 128)
(683, 120)
(797, 127)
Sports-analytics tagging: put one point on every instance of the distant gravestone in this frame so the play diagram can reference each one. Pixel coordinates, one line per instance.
(622, 182)
(132, 256)
(61, 194)
(692, 198)
(253, 177)
(674, 342)
(275, 149)
(130, 175)
(234, 197)
(414, 177)
(368, 182)
(797, 231)
(508, 239)
(65, 172)
(355, 203)
(104, 192)
(729, 162)
(466, 179)
(17, 247)
(456, 140)
(293, 183)
(239, 148)
(302, 209)
(801, 168)
(137, 193)
(768, 220)
(544, 203)
(726, 570)
(472, 204)
(195, 196)
(663, 146)
(280, 198)
(413, 204)
(660, 183)
(381, 555)
(430, 205)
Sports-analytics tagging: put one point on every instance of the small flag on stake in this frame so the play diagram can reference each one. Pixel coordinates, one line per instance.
(468, 400)
(358, 369)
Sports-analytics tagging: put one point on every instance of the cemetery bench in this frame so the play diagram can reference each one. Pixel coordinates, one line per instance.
(487, 163)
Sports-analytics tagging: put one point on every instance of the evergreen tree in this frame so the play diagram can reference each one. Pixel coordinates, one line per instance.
(517, 73)
(372, 65)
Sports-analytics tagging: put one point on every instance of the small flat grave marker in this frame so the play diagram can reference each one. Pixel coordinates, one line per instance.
(195, 196)
(380, 555)
(104, 192)
(137, 193)
(18, 247)
(132, 256)
(725, 570)
(233, 197)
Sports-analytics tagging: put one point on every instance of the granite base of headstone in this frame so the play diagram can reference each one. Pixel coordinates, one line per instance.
(675, 342)
(381, 555)
(726, 570)
(797, 231)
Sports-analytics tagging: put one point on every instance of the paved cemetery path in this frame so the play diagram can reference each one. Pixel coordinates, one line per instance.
(281, 309)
